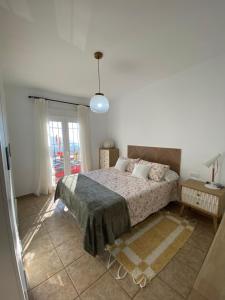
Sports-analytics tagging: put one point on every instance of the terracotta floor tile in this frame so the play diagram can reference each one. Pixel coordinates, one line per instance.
(70, 219)
(178, 276)
(63, 234)
(27, 210)
(54, 220)
(194, 295)
(31, 221)
(31, 232)
(27, 201)
(38, 246)
(157, 290)
(44, 200)
(127, 283)
(201, 239)
(70, 250)
(44, 224)
(58, 287)
(103, 258)
(205, 226)
(85, 271)
(191, 256)
(51, 205)
(105, 288)
(40, 267)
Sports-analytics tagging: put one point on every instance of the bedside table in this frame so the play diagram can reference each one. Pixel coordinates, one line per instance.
(194, 194)
(108, 157)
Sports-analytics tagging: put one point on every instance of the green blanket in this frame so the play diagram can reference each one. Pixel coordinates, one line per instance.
(102, 214)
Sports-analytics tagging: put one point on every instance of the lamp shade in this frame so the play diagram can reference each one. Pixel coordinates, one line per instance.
(212, 161)
(99, 104)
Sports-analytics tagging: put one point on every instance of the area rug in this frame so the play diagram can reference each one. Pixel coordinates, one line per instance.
(150, 246)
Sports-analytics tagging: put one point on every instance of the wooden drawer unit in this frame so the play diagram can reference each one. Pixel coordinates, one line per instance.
(194, 194)
(207, 202)
(108, 157)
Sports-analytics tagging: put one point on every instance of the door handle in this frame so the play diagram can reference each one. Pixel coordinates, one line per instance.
(7, 157)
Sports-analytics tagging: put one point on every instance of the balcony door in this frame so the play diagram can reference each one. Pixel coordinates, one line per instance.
(64, 146)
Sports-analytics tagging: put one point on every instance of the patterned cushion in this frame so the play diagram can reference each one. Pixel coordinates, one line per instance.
(158, 171)
(131, 163)
(145, 162)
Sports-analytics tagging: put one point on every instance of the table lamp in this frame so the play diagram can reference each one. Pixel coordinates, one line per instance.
(213, 162)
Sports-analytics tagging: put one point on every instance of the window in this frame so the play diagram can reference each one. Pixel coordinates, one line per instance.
(64, 147)
(74, 146)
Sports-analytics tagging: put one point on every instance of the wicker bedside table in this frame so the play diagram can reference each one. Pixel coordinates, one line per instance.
(108, 157)
(194, 194)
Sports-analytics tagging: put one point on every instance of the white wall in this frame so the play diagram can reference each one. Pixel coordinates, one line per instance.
(21, 132)
(185, 111)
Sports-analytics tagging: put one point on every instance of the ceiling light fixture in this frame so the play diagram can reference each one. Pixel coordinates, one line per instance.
(99, 103)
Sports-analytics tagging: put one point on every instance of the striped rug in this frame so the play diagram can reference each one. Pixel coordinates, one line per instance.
(150, 246)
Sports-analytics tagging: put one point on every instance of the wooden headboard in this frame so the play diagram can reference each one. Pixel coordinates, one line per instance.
(166, 156)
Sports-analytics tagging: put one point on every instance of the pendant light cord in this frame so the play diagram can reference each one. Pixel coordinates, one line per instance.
(98, 78)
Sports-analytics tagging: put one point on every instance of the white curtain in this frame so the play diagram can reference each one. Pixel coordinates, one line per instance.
(85, 137)
(43, 170)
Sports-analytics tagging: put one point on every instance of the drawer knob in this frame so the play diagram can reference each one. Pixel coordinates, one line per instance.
(197, 203)
(198, 195)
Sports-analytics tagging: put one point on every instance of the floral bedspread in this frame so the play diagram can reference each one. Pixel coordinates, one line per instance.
(143, 197)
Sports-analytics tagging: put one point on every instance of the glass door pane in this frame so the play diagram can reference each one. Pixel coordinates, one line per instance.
(57, 149)
(74, 147)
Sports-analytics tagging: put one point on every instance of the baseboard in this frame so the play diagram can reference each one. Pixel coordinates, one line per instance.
(26, 196)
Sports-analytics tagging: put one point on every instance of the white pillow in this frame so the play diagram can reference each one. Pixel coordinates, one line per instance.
(171, 176)
(141, 171)
(121, 164)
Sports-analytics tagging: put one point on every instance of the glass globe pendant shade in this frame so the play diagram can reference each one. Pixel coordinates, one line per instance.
(99, 103)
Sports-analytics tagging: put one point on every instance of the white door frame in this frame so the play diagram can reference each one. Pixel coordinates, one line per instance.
(13, 282)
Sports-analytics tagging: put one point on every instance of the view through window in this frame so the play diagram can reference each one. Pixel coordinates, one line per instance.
(64, 148)
(74, 146)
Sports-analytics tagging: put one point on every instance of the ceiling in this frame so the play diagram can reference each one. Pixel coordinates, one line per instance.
(50, 44)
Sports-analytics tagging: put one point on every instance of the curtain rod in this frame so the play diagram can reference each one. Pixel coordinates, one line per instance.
(54, 100)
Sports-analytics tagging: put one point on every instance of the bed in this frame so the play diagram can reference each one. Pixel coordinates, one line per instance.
(107, 202)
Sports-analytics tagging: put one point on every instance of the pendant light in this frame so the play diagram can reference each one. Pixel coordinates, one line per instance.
(99, 103)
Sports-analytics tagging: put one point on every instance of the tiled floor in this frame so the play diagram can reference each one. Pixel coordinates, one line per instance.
(58, 268)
